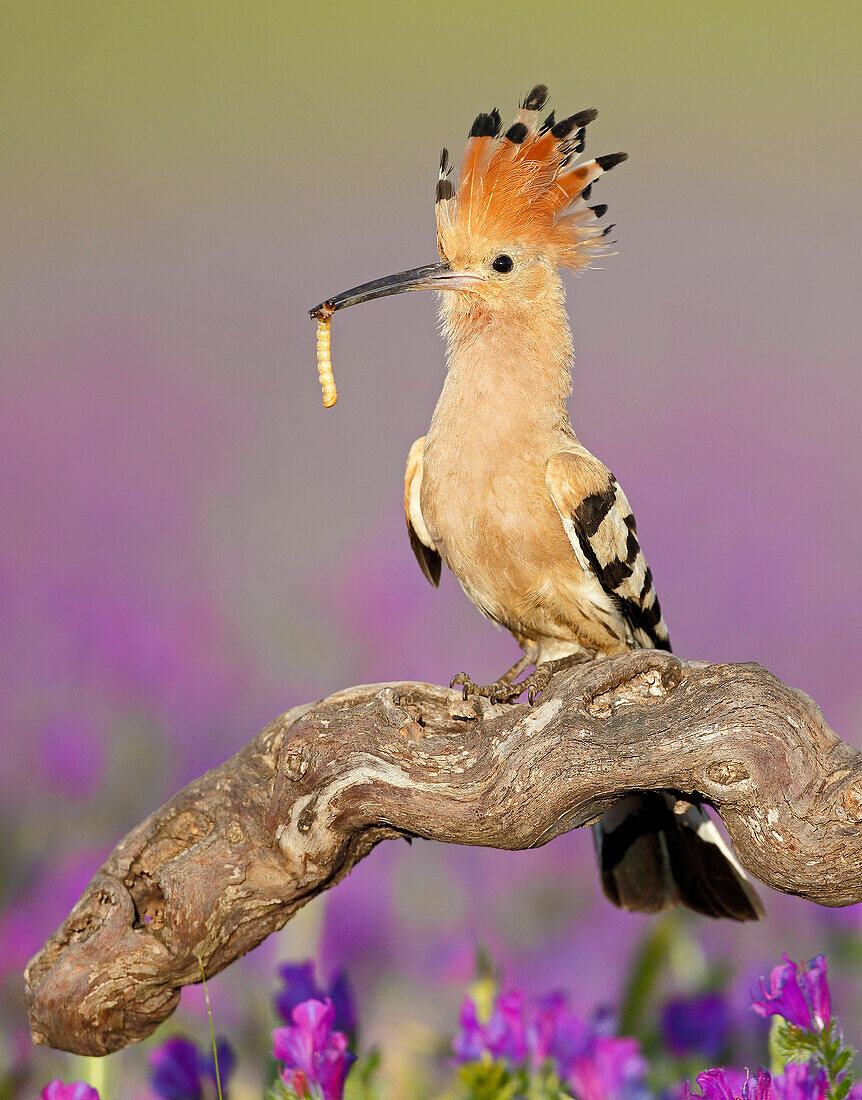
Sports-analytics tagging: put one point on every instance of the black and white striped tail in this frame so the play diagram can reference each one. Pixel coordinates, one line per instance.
(652, 858)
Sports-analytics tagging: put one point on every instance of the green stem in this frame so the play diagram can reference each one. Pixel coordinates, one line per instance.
(212, 1030)
(647, 966)
(828, 1059)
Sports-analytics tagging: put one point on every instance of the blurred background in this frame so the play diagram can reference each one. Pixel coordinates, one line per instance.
(190, 544)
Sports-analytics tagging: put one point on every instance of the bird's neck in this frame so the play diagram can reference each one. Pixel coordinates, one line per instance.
(509, 374)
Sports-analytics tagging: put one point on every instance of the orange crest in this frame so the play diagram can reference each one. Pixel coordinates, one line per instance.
(525, 186)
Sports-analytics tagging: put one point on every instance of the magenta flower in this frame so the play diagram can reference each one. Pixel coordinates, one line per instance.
(179, 1069)
(316, 1058)
(696, 1025)
(798, 1082)
(730, 1084)
(300, 985)
(799, 994)
(502, 1036)
(78, 1090)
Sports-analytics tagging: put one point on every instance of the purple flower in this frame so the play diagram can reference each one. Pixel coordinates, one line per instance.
(586, 1054)
(612, 1068)
(314, 1055)
(503, 1035)
(179, 1068)
(469, 1042)
(555, 1032)
(731, 1084)
(545, 1026)
(300, 985)
(800, 1082)
(696, 1025)
(799, 994)
(78, 1090)
(816, 986)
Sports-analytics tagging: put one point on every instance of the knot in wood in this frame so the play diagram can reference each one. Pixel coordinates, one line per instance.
(295, 766)
(727, 772)
(853, 801)
(642, 689)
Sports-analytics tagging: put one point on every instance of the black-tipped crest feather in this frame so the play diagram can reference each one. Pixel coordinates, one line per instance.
(564, 127)
(486, 125)
(536, 99)
(445, 190)
(584, 118)
(516, 133)
(611, 160)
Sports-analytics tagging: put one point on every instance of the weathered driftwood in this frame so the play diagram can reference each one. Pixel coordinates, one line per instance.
(236, 853)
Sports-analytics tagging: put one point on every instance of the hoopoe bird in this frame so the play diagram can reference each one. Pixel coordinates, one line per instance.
(536, 529)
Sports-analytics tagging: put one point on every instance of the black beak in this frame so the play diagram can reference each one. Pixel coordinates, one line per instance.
(439, 276)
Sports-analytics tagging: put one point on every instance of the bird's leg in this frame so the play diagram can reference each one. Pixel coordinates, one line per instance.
(502, 690)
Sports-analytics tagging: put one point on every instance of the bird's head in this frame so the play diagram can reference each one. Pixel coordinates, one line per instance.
(520, 211)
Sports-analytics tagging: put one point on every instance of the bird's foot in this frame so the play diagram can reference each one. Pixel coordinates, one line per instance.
(538, 680)
(504, 691)
(501, 691)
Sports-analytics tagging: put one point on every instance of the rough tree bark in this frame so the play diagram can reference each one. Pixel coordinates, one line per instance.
(235, 854)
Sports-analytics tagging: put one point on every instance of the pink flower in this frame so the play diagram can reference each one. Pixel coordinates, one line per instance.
(78, 1090)
(503, 1034)
(314, 1055)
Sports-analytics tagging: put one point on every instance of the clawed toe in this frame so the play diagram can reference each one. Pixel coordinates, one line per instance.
(537, 681)
(501, 691)
(462, 680)
(504, 691)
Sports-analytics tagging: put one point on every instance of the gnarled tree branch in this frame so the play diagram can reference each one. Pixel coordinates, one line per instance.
(236, 853)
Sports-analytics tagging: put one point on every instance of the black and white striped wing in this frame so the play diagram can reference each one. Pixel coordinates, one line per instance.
(602, 530)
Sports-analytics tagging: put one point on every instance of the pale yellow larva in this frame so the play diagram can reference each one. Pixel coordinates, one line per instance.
(324, 362)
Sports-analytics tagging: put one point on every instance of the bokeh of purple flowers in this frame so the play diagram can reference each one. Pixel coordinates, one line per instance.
(299, 984)
(179, 1070)
(586, 1056)
(696, 1025)
(508, 1045)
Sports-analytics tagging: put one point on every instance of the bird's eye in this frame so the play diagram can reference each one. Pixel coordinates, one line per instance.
(503, 264)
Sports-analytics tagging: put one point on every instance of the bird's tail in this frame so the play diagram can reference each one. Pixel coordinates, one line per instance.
(652, 857)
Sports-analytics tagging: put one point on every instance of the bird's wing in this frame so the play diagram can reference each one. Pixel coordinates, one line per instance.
(420, 540)
(601, 528)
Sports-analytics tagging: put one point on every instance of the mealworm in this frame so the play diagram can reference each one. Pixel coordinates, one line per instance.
(324, 362)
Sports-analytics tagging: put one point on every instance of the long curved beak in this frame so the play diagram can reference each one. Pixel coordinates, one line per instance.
(439, 276)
